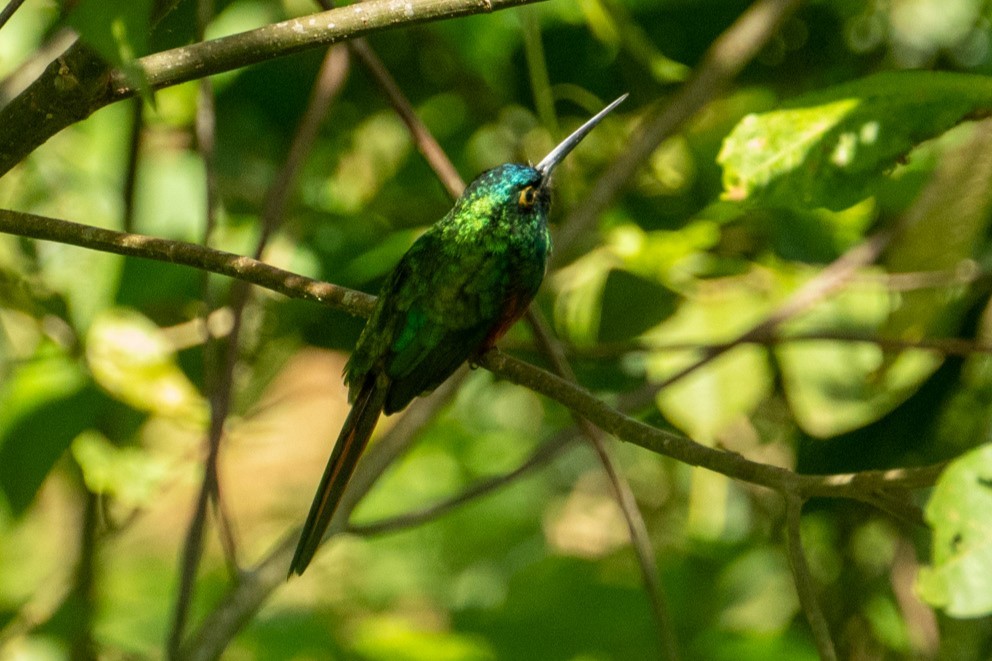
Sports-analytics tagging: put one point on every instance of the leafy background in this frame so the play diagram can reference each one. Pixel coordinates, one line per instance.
(856, 118)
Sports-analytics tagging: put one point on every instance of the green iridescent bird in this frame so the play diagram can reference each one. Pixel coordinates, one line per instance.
(454, 293)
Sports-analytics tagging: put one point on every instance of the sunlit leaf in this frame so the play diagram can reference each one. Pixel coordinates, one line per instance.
(118, 31)
(829, 148)
(949, 225)
(759, 593)
(580, 290)
(389, 639)
(960, 579)
(128, 474)
(704, 402)
(835, 386)
(46, 404)
(668, 257)
(131, 359)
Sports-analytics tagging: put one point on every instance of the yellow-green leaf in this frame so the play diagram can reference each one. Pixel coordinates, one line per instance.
(828, 149)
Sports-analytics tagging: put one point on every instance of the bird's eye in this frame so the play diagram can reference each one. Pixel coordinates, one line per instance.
(527, 197)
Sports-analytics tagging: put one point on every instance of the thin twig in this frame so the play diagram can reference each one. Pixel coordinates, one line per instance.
(947, 346)
(537, 71)
(133, 158)
(827, 281)
(192, 549)
(9, 10)
(422, 137)
(724, 59)
(243, 601)
(330, 80)
(636, 527)
(424, 140)
(219, 357)
(803, 579)
(82, 599)
(544, 454)
(217, 360)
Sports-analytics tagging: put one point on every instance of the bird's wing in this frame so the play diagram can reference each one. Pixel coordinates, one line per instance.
(430, 357)
(440, 307)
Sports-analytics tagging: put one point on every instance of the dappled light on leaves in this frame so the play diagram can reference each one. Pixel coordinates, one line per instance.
(834, 387)
(379, 147)
(129, 357)
(587, 524)
(770, 311)
(758, 601)
(959, 580)
(821, 150)
(130, 476)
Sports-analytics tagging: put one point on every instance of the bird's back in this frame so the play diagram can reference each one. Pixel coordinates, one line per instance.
(458, 288)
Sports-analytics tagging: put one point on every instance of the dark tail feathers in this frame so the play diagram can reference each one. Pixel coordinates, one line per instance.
(351, 443)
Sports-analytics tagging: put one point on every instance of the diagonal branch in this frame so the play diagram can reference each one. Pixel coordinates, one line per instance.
(8, 11)
(803, 579)
(545, 453)
(624, 495)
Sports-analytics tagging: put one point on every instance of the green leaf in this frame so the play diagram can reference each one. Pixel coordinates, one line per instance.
(129, 475)
(131, 359)
(828, 149)
(758, 591)
(951, 222)
(706, 401)
(960, 579)
(393, 638)
(46, 405)
(579, 295)
(837, 386)
(118, 30)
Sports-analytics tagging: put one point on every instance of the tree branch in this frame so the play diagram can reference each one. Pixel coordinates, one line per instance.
(355, 303)
(879, 488)
(9, 10)
(78, 83)
(573, 397)
(244, 600)
(804, 580)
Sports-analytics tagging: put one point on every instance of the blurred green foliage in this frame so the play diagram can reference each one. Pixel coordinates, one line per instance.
(104, 384)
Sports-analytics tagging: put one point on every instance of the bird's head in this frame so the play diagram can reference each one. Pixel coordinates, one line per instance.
(524, 190)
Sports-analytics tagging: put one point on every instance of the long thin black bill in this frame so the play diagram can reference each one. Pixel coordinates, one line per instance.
(548, 163)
